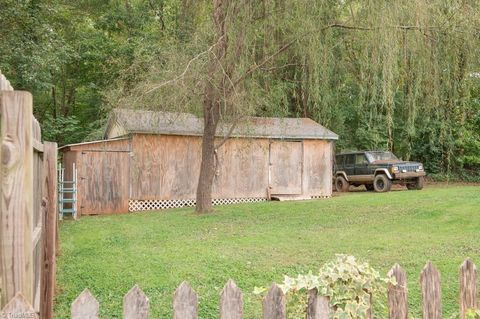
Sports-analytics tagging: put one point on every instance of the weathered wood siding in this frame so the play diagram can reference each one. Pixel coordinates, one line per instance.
(167, 167)
(286, 167)
(243, 169)
(164, 167)
(103, 176)
(317, 168)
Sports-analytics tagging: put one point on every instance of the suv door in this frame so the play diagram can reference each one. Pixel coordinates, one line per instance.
(362, 165)
(349, 166)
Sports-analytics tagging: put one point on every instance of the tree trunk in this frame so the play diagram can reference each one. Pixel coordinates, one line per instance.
(213, 95)
(207, 169)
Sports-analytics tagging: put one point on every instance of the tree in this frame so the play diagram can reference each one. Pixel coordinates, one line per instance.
(381, 78)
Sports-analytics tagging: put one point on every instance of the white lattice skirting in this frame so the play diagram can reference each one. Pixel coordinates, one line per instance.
(320, 196)
(135, 205)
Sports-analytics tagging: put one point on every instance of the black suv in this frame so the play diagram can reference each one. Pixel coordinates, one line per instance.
(377, 170)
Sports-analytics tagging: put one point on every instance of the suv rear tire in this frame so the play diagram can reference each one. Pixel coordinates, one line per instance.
(417, 185)
(382, 183)
(341, 184)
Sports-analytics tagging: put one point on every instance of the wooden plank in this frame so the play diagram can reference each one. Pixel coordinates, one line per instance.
(318, 306)
(38, 212)
(36, 235)
(286, 160)
(231, 302)
(468, 287)
(85, 306)
(135, 304)
(274, 306)
(431, 292)
(38, 146)
(103, 182)
(4, 83)
(50, 231)
(185, 302)
(397, 294)
(18, 307)
(16, 206)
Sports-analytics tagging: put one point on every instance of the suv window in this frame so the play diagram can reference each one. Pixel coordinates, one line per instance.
(350, 159)
(339, 159)
(361, 159)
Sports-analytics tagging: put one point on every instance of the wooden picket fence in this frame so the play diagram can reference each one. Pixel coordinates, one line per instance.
(28, 213)
(185, 301)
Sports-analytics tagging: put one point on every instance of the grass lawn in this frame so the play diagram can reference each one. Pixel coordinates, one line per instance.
(255, 244)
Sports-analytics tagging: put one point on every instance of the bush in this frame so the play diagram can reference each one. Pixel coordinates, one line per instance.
(349, 284)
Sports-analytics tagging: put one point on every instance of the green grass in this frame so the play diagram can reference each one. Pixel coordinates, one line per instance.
(256, 244)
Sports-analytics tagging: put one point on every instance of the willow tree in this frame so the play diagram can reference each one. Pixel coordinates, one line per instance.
(383, 74)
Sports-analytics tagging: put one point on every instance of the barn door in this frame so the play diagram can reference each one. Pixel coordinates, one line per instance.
(286, 166)
(103, 182)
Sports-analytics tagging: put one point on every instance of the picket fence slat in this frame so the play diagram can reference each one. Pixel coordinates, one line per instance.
(431, 292)
(85, 306)
(274, 305)
(468, 287)
(185, 302)
(135, 304)
(231, 302)
(318, 306)
(18, 307)
(4, 83)
(397, 294)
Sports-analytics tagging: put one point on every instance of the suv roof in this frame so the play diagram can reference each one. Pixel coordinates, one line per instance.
(361, 152)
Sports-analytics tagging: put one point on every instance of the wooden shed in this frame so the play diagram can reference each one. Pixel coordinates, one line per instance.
(151, 160)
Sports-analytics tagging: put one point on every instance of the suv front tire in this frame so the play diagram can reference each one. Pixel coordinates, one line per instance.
(417, 185)
(382, 183)
(341, 184)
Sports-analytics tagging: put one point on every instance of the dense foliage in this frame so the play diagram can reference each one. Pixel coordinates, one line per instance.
(399, 75)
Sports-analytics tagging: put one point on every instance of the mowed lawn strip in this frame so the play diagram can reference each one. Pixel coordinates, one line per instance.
(256, 244)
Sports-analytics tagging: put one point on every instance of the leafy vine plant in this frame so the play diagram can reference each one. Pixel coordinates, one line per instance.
(348, 283)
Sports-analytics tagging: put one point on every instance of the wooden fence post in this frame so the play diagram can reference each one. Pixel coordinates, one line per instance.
(231, 302)
(274, 306)
(18, 307)
(431, 292)
(397, 295)
(185, 302)
(50, 230)
(85, 306)
(135, 304)
(318, 306)
(468, 287)
(16, 204)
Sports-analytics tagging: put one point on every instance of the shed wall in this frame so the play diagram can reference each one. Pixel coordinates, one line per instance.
(167, 167)
(103, 176)
(317, 168)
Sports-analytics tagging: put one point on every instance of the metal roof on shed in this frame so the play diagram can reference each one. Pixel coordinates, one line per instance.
(168, 123)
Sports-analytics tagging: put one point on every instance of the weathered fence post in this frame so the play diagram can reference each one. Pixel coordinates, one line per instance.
(431, 292)
(231, 302)
(18, 307)
(85, 306)
(16, 206)
(318, 306)
(185, 302)
(135, 304)
(50, 230)
(274, 306)
(468, 287)
(397, 294)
